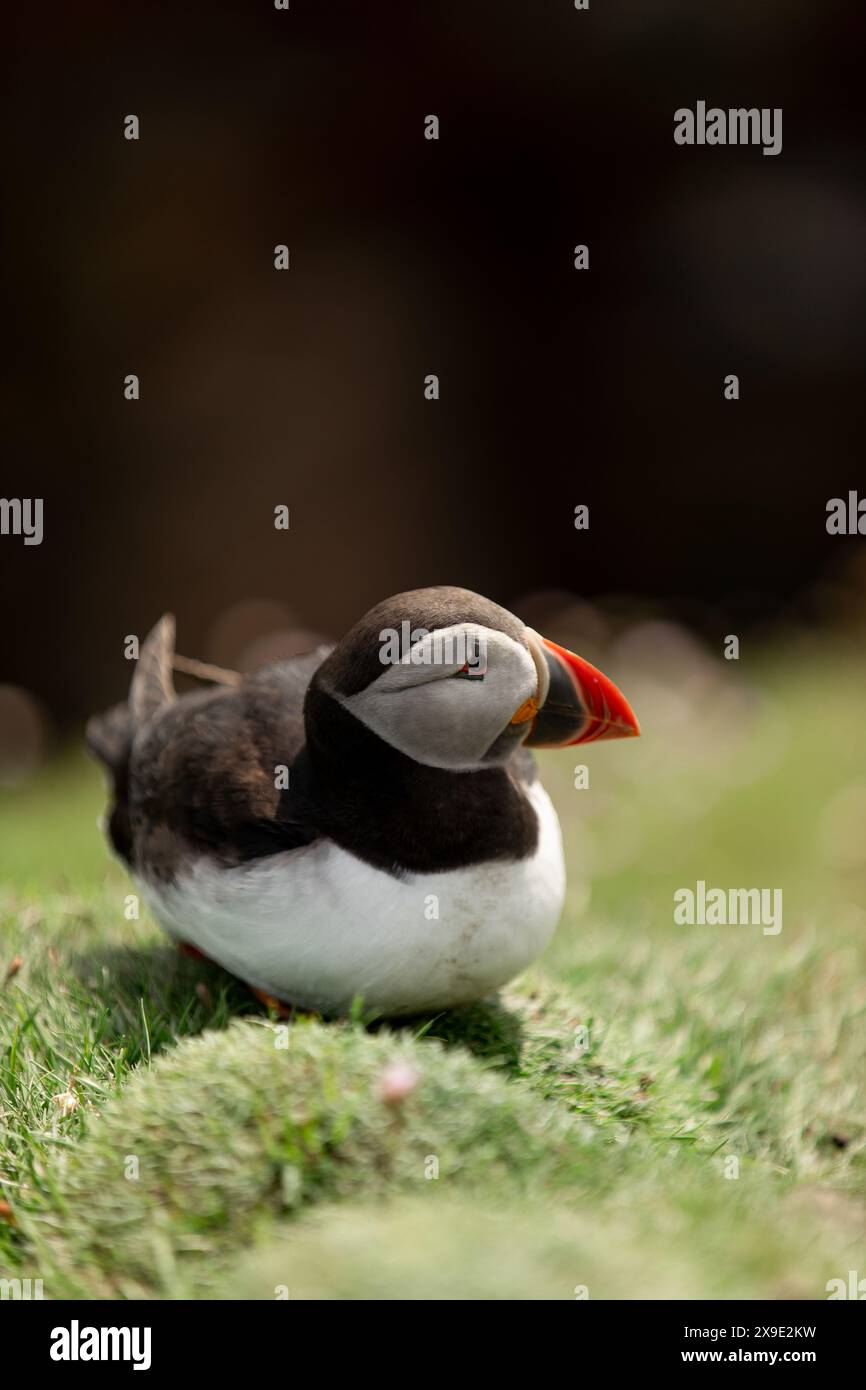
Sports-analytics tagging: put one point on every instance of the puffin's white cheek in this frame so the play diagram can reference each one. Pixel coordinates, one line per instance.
(446, 723)
(455, 721)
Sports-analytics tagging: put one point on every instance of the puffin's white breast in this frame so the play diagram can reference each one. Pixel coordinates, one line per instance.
(317, 927)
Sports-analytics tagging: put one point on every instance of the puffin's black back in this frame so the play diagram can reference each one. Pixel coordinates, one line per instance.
(202, 772)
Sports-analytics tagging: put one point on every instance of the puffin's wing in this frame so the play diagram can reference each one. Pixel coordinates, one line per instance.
(220, 772)
(109, 735)
(212, 771)
(152, 687)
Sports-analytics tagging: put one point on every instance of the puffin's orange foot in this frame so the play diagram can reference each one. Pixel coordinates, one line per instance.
(282, 1010)
(184, 947)
(192, 951)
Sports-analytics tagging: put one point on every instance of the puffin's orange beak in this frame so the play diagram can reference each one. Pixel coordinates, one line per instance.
(580, 704)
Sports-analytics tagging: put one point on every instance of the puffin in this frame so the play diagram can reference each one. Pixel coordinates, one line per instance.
(362, 825)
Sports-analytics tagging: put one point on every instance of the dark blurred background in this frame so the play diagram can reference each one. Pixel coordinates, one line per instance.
(411, 257)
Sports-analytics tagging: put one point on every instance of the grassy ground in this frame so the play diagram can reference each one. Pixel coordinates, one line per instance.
(659, 1110)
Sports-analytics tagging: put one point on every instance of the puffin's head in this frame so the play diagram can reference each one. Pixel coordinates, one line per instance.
(454, 681)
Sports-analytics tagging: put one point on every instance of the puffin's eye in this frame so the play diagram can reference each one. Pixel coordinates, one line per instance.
(469, 673)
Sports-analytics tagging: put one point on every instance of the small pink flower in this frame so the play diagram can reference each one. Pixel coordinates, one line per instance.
(397, 1081)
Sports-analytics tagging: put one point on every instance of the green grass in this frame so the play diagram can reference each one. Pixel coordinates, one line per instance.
(199, 1156)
